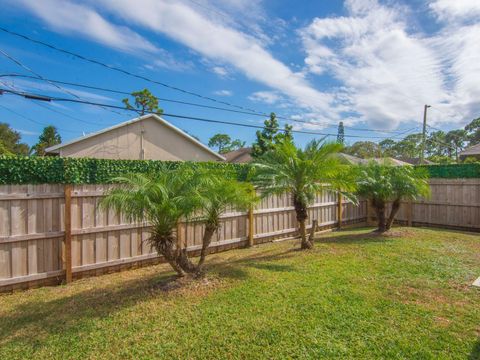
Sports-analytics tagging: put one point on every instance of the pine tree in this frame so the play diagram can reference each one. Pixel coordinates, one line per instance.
(47, 138)
(145, 102)
(270, 136)
(341, 133)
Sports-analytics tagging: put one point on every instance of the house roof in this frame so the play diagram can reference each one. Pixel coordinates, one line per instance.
(350, 159)
(384, 161)
(417, 161)
(242, 155)
(56, 148)
(471, 150)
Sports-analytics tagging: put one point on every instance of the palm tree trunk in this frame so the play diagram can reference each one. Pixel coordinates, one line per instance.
(379, 206)
(306, 244)
(164, 244)
(184, 262)
(393, 212)
(302, 216)
(207, 239)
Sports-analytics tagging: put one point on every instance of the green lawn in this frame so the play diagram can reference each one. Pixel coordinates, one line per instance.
(405, 296)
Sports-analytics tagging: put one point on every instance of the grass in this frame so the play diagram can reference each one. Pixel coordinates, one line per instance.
(356, 295)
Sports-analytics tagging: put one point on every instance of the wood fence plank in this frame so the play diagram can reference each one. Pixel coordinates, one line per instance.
(68, 255)
(32, 224)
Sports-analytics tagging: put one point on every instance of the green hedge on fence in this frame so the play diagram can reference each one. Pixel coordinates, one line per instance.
(453, 171)
(57, 170)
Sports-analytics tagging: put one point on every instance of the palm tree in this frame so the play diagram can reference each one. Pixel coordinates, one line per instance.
(218, 194)
(383, 183)
(162, 200)
(303, 174)
(173, 195)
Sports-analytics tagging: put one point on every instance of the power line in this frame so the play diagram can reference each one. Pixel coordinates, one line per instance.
(38, 76)
(97, 62)
(192, 104)
(34, 121)
(111, 67)
(55, 110)
(23, 66)
(404, 132)
(45, 97)
(454, 135)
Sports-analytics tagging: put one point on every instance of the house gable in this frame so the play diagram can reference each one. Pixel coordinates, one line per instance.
(147, 137)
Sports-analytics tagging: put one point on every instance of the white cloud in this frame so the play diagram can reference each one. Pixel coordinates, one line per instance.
(218, 42)
(448, 10)
(387, 71)
(27, 132)
(267, 97)
(220, 71)
(384, 67)
(165, 60)
(65, 16)
(223, 93)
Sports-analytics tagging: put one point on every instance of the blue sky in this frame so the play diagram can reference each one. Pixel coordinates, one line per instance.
(372, 64)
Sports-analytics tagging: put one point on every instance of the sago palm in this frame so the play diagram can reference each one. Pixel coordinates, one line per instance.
(384, 183)
(303, 173)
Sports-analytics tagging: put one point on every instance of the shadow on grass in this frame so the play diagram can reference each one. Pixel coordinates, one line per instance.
(272, 267)
(475, 354)
(367, 237)
(30, 323)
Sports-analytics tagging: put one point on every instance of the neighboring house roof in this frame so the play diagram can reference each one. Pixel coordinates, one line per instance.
(416, 161)
(242, 155)
(56, 148)
(386, 160)
(471, 151)
(350, 159)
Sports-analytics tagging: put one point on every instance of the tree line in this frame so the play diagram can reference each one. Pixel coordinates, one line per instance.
(440, 146)
(11, 141)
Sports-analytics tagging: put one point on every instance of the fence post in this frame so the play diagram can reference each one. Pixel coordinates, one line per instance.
(68, 233)
(340, 210)
(250, 226)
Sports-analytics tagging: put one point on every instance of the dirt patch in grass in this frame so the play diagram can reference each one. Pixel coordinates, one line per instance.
(400, 232)
(430, 298)
(346, 236)
(198, 285)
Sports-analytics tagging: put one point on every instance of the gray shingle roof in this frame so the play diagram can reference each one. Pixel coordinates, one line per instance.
(471, 150)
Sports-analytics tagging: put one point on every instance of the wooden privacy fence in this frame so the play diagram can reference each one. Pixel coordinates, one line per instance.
(454, 203)
(51, 233)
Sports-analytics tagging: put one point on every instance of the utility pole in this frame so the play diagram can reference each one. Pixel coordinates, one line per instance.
(424, 133)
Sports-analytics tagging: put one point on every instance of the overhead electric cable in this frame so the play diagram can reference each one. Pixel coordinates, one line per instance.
(34, 121)
(126, 72)
(198, 105)
(47, 98)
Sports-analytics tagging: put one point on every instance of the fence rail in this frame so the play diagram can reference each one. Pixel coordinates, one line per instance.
(38, 241)
(42, 240)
